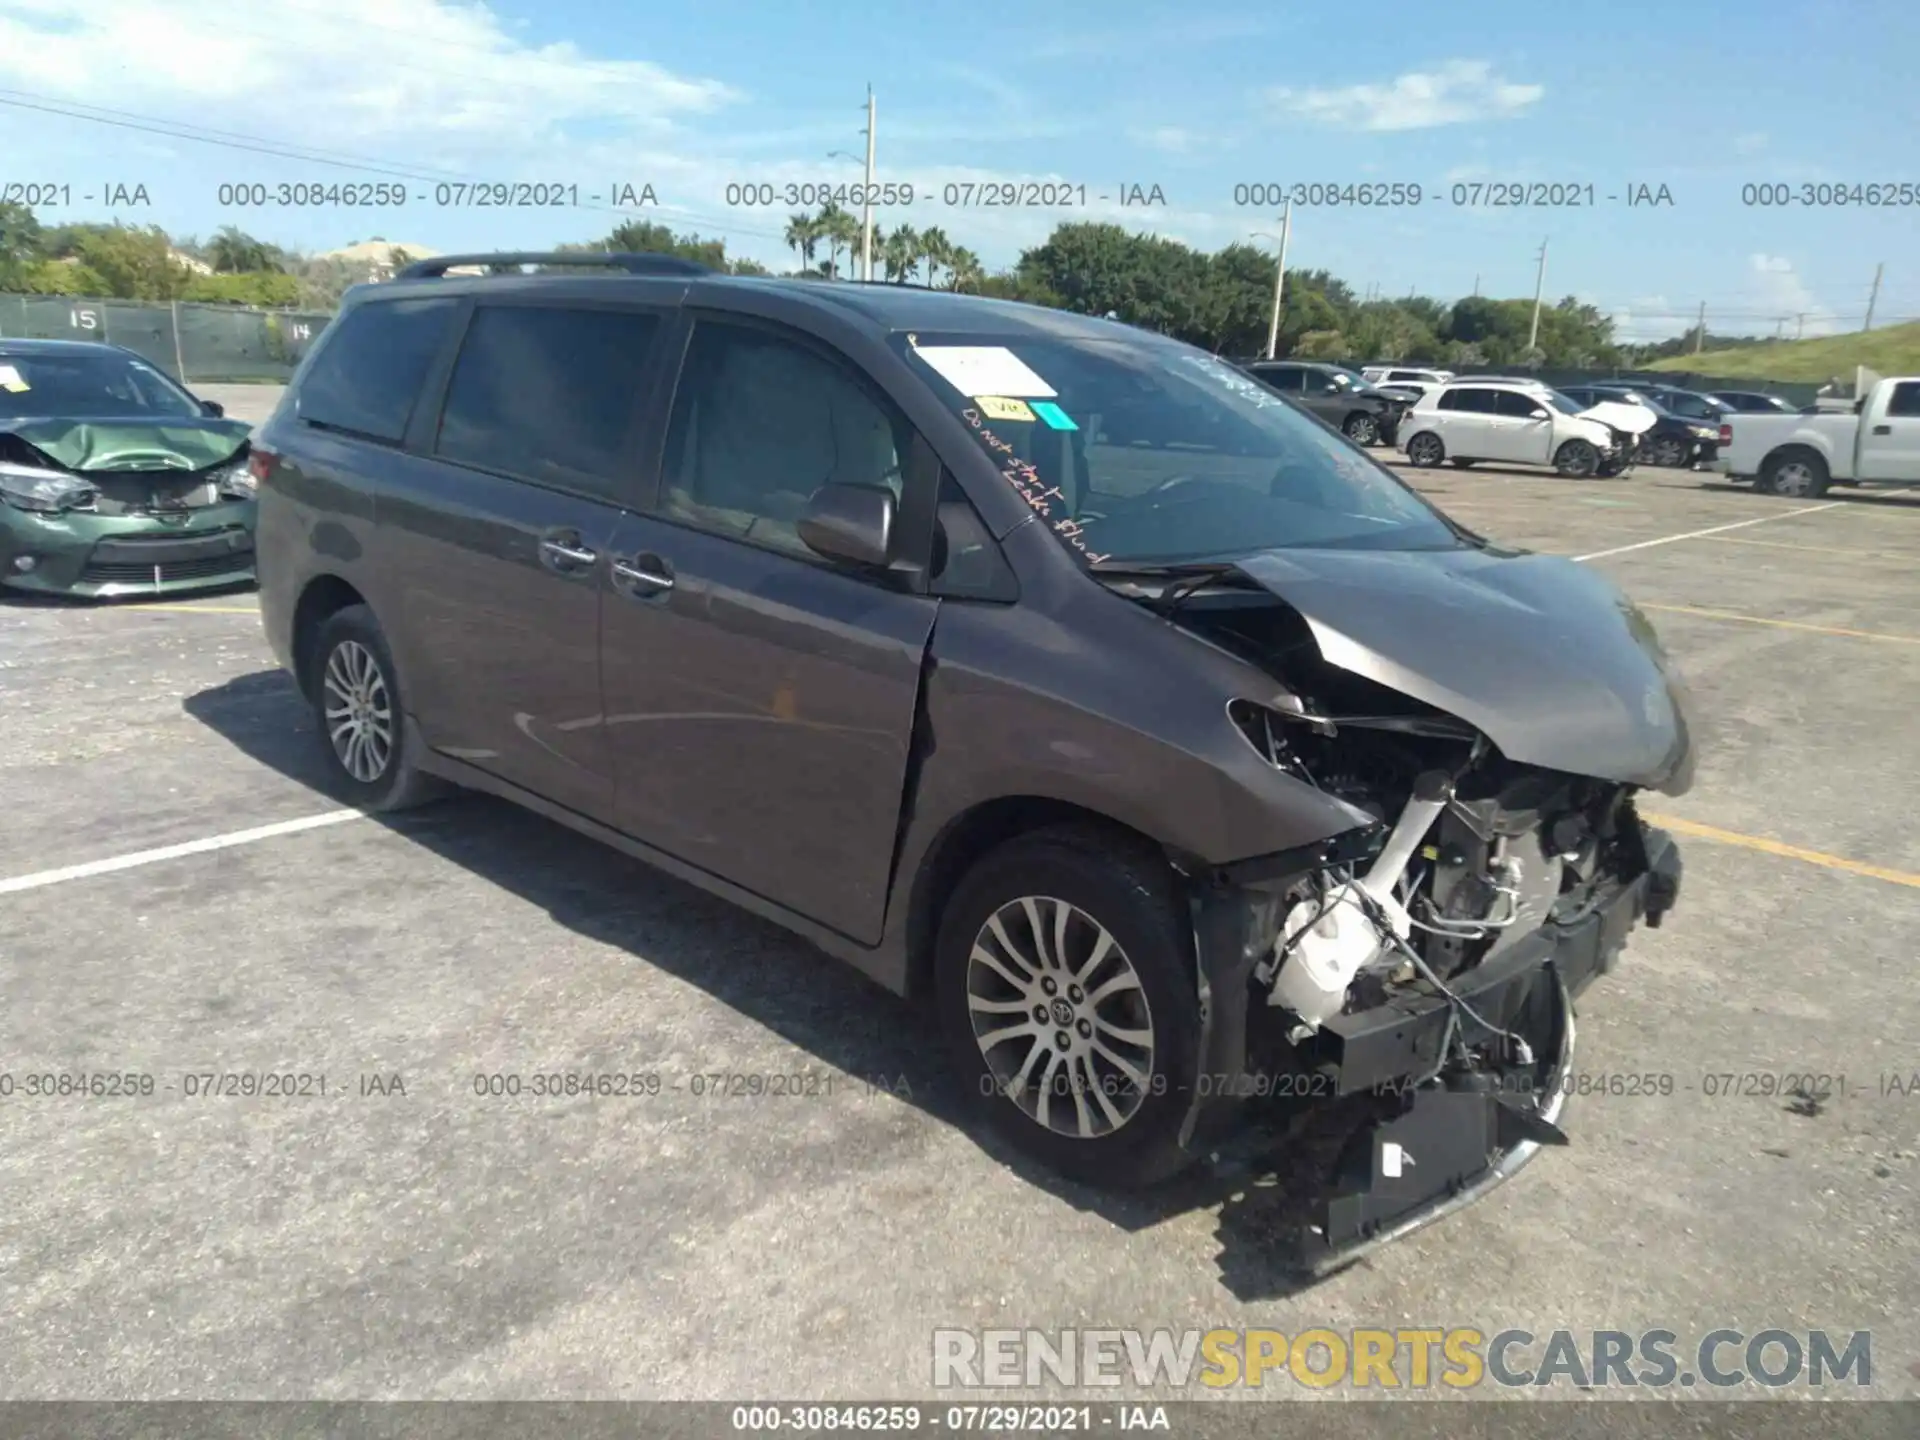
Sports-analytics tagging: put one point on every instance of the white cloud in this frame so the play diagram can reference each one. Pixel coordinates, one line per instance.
(398, 74)
(1750, 143)
(1457, 92)
(1781, 292)
(443, 88)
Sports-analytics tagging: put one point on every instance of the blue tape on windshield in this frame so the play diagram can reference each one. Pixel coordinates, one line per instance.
(1052, 414)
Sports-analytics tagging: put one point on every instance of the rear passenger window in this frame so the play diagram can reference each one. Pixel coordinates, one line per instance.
(369, 370)
(549, 395)
(759, 424)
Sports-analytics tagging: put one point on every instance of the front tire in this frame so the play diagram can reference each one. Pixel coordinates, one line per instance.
(370, 750)
(1362, 429)
(1577, 459)
(1800, 474)
(1064, 980)
(1425, 450)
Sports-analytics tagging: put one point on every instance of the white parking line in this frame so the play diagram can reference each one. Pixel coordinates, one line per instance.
(1710, 530)
(173, 852)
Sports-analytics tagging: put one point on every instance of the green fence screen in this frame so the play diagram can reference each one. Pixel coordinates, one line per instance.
(193, 342)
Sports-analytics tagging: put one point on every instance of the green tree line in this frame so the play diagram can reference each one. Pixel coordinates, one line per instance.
(1221, 300)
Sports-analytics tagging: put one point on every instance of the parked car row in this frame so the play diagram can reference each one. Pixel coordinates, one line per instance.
(1516, 421)
(1336, 395)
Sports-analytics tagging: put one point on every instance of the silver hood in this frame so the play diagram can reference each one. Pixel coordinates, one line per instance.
(1544, 656)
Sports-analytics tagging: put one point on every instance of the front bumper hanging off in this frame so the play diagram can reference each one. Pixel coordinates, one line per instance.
(1415, 1151)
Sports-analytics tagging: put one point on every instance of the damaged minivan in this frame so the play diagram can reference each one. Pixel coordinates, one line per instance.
(1184, 761)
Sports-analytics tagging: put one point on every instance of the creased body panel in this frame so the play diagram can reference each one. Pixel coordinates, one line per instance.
(1545, 657)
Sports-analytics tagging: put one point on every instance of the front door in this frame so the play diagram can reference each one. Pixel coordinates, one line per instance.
(1524, 427)
(759, 699)
(1890, 437)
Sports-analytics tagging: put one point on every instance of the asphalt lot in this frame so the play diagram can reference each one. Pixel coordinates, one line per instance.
(439, 1244)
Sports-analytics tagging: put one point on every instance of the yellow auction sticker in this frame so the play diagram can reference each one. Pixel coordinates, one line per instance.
(1003, 407)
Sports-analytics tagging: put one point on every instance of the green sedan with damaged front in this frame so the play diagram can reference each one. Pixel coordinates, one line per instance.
(114, 480)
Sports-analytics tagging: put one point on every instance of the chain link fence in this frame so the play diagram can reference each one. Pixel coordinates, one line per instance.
(192, 342)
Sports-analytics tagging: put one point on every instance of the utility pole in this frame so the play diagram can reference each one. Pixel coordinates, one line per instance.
(1799, 326)
(1776, 326)
(1700, 329)
(1279, 281)
(1874, 295)
(866, 219)
(1539, 289)
(1476, 287)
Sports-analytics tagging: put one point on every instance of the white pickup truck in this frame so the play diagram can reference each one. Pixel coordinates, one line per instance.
(1879, 439)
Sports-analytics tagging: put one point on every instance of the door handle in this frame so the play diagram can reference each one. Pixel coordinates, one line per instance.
(1883, 429)
(567, 557)
(644, 576)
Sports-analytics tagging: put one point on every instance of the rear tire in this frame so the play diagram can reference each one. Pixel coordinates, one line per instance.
(1796, 473)
(1097, 1089)
(371, 751)
(1425, 450)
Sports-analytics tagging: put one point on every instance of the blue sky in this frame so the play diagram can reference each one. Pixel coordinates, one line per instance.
(1198, 98)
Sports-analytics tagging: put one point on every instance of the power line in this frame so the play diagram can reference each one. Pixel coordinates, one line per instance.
(235, 140)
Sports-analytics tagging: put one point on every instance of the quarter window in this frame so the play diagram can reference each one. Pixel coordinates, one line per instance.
(370, 366)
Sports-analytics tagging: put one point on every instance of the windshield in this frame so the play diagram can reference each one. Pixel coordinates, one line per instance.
(1146, 451)
(85, 387)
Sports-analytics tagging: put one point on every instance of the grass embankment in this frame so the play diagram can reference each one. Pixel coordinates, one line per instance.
(1894, 350)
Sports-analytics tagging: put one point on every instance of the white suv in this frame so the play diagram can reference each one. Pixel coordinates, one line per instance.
(1512, 422)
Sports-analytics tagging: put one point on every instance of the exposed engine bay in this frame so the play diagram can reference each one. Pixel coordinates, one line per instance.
(1423, 965)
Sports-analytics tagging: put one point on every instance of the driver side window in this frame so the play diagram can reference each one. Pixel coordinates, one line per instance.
(760, 422)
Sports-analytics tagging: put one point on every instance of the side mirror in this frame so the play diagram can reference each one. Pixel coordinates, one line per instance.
(853, 523)
(213, 408)
(1860, 406)
(1538, 415)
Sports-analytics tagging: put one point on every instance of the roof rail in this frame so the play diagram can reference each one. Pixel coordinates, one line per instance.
(632, 263)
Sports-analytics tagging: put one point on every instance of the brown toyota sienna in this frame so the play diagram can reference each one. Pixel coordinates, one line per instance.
(1056, 674)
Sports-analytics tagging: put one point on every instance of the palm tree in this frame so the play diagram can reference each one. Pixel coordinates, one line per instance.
(841, 231)
(900, 251)
(935, 249)
(963, 268)
(803, 234)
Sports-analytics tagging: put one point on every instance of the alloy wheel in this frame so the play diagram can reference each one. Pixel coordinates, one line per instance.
(1060, 1017)
(1424, 451)
(359, 711)
(1362, 430)
(1669, 452)
(1577, 459)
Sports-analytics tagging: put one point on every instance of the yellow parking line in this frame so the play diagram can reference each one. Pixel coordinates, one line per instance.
(198, 609)
(1784, 624)
(1789, 852)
